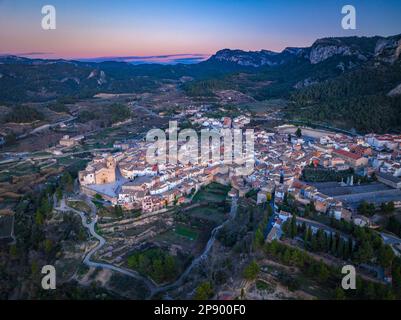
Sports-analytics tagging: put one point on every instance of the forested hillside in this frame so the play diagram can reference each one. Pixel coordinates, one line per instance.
(357, 100)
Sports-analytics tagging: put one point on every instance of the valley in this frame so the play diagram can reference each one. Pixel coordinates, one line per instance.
(77, 191)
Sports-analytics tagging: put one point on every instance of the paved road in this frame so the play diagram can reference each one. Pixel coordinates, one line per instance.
(45, 127)
(387, 238)
(390, 239)
(152, 287)
(318, 225)
(91, 228)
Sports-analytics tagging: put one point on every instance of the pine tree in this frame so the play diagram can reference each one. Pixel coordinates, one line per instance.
(48, 246)
(251, 271)
(314, 243)
(346, 251)
(339, 294)
(39, 219)
(334, 245)
(13, 251)
(293, 230)
(59, 193)
(307, 211)
(287, 256)
(251, 214)
(305, 235)
(287, 228)
(308, 235)
(385, 256)
(340, 249)
(320, 240)
(350, 247)
(303, 228)
(259, 238)
(68, 182)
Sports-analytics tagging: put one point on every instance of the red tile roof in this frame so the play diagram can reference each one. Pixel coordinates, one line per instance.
(347, 154)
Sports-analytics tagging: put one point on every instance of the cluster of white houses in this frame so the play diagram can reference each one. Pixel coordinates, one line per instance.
(125, 177)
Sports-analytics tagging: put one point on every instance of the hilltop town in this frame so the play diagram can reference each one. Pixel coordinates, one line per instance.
(210, 151)
(329, 196)
(334, 171)
(323, 182)
(318, 189)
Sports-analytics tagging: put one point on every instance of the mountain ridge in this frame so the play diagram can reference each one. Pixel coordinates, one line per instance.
(364, 70)
(322, 49)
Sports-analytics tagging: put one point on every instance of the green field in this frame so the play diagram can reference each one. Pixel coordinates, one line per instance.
(40, 154)
(214, 192)
(24, 168)
(66, 161)
(214, 215)
(264, 286)
(80, 206)
(213, 203)
(186, 232)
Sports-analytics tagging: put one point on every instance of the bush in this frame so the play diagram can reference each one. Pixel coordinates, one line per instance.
(156, 263)
(204, 291)
(251, 271)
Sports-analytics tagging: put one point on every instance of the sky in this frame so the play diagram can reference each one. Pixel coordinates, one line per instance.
(184, 30)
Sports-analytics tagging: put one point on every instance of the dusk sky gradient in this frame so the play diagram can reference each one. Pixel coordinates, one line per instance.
(103, 28)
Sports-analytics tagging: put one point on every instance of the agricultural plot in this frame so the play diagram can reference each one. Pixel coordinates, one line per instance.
(214, 214)
(186, 232)
(80, 206)
(214, 192)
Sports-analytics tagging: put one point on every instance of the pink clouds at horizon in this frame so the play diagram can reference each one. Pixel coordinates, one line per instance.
(159, 59)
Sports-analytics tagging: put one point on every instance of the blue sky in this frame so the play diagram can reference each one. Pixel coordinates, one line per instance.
(101, 28)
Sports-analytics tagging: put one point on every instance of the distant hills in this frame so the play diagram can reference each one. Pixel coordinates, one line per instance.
(353, 82)
(171, 59)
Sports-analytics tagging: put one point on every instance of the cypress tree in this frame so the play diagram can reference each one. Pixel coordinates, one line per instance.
(334, 245)
(340, 249)
(293, 228)
(314, 243)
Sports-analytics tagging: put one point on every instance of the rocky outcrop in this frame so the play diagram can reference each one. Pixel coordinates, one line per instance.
(260, 58)
(388, 49)
(305, 83)
(360, 49)
(248, 58)
(320, 53)
(296, 51)
(76, 80)
(99, 75)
